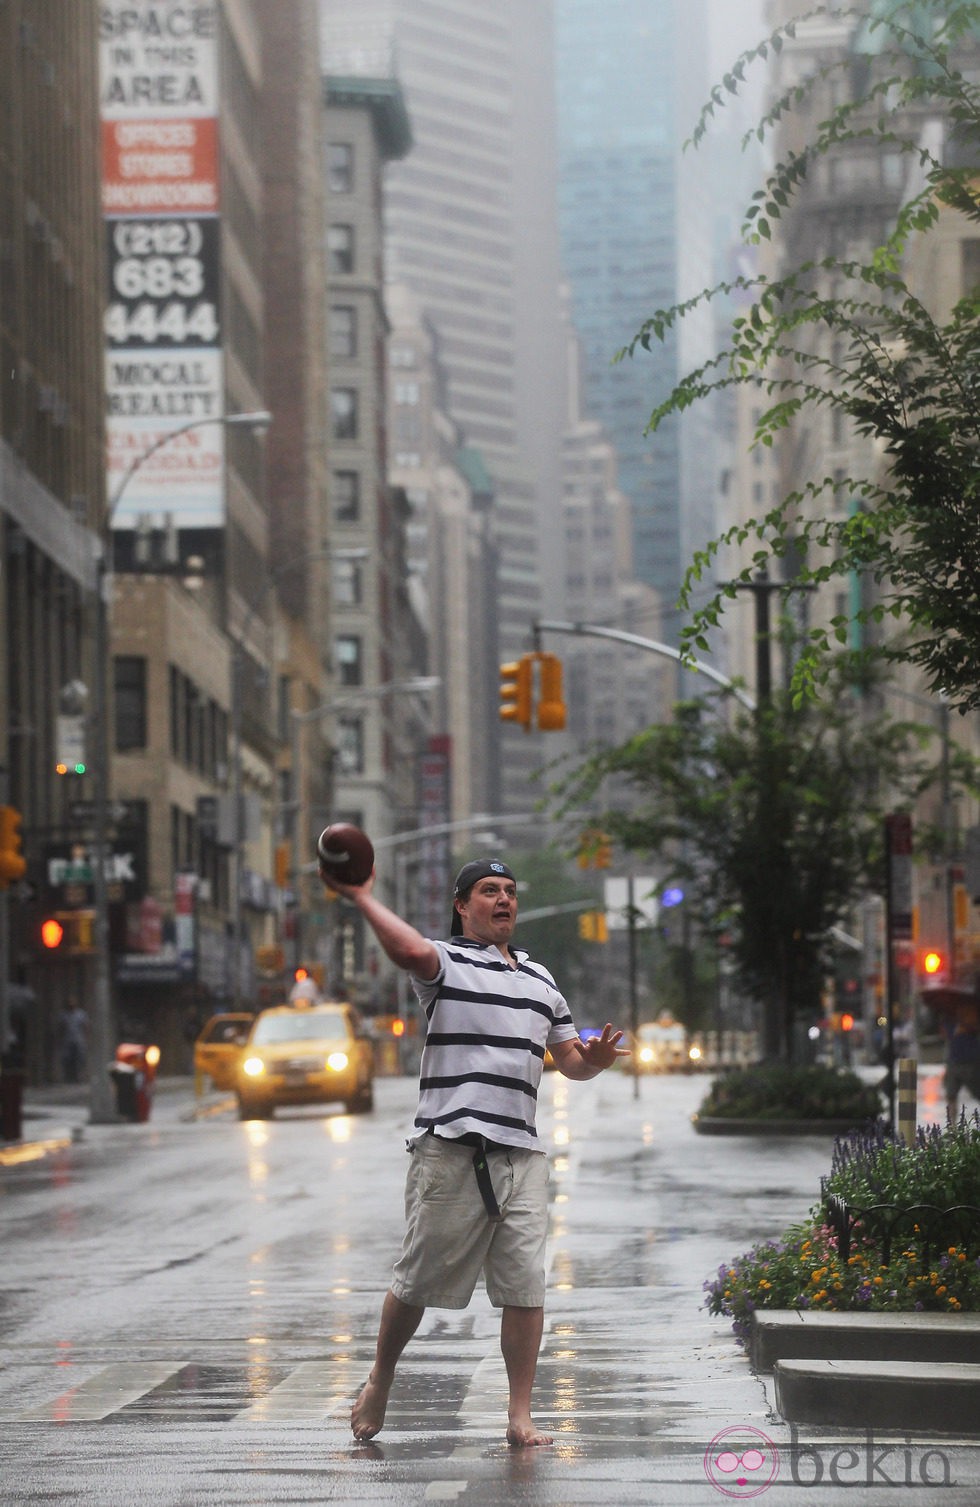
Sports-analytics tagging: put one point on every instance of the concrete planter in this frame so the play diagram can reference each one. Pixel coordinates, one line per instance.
(713, 1125)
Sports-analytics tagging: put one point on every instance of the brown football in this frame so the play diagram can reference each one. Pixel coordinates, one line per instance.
(345, 853)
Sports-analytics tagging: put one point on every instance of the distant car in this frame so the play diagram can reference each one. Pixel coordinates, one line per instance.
(217, 1049)
(661, 1046)
(305, 1054)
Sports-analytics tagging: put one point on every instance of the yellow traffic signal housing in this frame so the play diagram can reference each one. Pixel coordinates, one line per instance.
(516, 691)
(13, 865)
(551, 706)
(592, 926)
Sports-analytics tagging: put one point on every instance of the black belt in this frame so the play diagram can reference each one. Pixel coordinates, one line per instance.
(481, 1167)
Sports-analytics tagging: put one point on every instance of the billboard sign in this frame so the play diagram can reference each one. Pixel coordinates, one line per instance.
(161, 200)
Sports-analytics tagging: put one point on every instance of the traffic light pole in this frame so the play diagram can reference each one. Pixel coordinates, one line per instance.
(101, 1021)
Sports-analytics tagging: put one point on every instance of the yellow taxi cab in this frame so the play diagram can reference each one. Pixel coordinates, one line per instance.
(217, 1049)
(305, 1054)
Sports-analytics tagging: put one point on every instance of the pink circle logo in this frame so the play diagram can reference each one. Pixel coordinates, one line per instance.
(741, 1462)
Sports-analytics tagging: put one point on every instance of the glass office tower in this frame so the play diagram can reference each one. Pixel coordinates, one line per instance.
(631, 76)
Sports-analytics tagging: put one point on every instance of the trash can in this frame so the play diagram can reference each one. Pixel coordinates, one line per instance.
(11, 1104)
(133, 1074)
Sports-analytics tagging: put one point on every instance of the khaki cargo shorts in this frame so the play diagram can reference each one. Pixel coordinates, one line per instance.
(449, 1239)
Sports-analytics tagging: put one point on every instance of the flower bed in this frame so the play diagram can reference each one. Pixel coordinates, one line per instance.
(806, 1269)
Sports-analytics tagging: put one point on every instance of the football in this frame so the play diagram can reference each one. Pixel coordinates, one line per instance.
(345, 853)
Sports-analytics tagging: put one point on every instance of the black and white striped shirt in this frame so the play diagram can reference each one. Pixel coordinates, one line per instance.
(488, 1027)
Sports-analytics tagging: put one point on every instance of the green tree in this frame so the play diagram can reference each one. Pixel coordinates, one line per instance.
(902, 377)
(772, 821)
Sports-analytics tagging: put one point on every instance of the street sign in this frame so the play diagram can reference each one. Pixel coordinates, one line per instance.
(118, 813)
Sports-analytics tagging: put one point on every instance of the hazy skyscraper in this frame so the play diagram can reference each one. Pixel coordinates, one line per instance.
(471, 229)
(631, 76)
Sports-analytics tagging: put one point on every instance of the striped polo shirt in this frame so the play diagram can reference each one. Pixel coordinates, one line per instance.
(488, 1027)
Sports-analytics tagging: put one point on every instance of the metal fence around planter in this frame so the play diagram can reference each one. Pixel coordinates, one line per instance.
(928, 1226)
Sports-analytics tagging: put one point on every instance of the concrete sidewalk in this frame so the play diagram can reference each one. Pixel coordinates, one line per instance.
(58, 1114)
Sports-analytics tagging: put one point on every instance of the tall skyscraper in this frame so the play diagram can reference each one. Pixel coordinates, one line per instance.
(471, 230)
(631, 78)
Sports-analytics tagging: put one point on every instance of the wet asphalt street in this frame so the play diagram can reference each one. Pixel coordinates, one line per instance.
(188, 1307)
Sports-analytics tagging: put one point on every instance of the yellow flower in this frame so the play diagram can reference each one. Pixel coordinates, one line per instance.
(876, 1280)
(953, 1302)
(941, 1289)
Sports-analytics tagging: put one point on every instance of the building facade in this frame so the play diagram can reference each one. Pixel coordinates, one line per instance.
(470, 230)
(52, 484)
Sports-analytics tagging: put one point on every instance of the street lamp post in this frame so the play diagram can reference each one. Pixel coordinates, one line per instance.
(101, 1107)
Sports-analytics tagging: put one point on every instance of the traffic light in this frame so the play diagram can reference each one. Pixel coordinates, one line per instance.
(933, 963)
(594, 849)
(68, 933)
(12, 862)
(52, 933)
(551, 706)
(516, 691)
(592, 926)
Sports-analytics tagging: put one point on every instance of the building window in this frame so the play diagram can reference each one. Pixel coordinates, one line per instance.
(348, 582)
(340, 167)
(406, 392)
(340, 248)
(350, 745)
(343, 413)
(130, 702)
(348, 654)
(346, 496)
(343, 331)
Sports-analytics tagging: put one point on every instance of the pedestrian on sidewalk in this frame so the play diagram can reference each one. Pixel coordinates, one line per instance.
(962, 1031)
(74, 1042)
(476, 1193)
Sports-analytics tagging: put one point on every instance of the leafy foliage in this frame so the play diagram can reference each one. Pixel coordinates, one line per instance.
(770, 821)
(942, 1166)
(779, 1091)
(850, 335)
(803, 1269)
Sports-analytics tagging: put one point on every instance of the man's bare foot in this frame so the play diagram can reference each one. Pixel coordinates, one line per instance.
(367, 1416)
(524, 1435)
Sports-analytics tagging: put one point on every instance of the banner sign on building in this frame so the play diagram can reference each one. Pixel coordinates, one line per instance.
(160, 199)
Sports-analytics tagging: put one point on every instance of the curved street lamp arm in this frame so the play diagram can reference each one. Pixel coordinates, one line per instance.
(592, 630)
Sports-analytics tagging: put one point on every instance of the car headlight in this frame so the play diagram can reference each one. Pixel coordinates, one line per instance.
(646, 1054)
(152, 1056)
(254, 1067)
(337, 1061)
(695, 1054)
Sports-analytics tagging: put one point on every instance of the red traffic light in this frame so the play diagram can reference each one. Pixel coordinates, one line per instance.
(52, 932)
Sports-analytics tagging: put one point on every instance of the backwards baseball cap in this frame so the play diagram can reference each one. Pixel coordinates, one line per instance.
(478, 868)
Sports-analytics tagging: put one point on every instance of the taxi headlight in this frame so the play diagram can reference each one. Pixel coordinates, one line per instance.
(646, 1054)
(337, 1061)
(695, 1054)
(253, 1067)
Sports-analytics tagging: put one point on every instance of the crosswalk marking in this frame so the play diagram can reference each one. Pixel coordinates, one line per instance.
(104, 1393)
(307, 1392)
